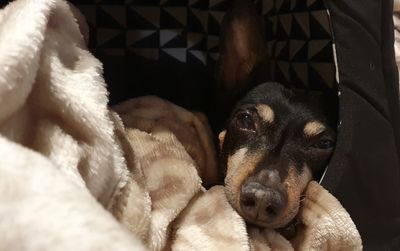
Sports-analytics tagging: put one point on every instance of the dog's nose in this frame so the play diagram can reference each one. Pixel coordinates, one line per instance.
(259, 202)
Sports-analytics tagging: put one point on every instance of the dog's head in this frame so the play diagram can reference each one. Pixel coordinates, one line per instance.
(275, 142)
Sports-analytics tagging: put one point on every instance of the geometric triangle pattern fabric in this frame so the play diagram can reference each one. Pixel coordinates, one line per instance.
(109, 36)
(134, 37)
(286, 22)
(178, 13)
(196, 23)
(199, 55)
(171, 18)
(178, 41)
(324, 70)
(214, 22)
(319, 24)
(150, 14)
(300, 43)
(176, 53)
(295, 47)
(148, 53)
(89, 11)
(166, 36)
(220, 5)
(137, 20)
(284, 68)
(114, 52)
(105, 20)
(302, 22)
(298, 34)
(213, 44)
(317, 46)
(118, 13)
(197, 41)
(299, 73)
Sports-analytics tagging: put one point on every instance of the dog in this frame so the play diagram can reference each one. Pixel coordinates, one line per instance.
(275, 142)
(276, 139)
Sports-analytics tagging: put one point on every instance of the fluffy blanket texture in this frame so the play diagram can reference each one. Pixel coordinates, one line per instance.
(75, 175)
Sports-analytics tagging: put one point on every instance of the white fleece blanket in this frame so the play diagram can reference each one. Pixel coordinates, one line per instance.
(59, 163)
(76, 176)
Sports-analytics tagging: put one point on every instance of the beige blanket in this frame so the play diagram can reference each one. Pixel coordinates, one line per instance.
(76, 176)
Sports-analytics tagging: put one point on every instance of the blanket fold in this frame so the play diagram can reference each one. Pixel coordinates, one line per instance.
(60, 164)
(77, 175)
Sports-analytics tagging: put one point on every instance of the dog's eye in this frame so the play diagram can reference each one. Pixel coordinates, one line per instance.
(324, 144)
(245, 121)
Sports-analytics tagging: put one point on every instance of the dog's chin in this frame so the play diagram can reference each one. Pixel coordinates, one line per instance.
(275, 224)
(282, 221)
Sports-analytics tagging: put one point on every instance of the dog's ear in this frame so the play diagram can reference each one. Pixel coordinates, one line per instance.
(242, 45)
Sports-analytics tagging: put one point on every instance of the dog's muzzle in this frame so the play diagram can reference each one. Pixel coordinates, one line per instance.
(261, 203)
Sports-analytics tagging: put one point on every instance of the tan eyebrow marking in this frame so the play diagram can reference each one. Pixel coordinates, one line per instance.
(265, 112)
(313, 128)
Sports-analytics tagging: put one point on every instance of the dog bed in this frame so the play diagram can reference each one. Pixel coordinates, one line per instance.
(76, 175)
(334, 46)
(330, 46)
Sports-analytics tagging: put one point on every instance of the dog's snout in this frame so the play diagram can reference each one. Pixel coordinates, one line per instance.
(268, 177)
(261, 203)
